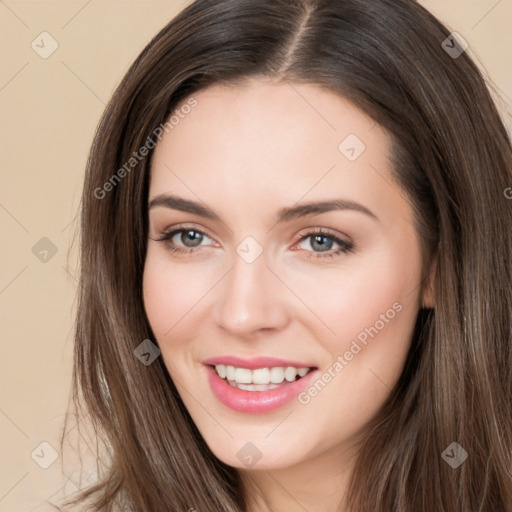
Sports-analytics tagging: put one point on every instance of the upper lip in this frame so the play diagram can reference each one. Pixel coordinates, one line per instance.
(254, 362)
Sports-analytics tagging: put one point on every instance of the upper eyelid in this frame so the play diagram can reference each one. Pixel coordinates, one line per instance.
(177, 229)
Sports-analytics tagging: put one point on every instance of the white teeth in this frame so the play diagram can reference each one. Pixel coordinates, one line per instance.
(243, 376)
(253, 387)
(290, 373)
(277, 375)
(261, 376)
(221, 370)
(230, 372)
(264, 378)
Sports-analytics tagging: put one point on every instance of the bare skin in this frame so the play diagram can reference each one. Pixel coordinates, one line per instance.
(246, 152)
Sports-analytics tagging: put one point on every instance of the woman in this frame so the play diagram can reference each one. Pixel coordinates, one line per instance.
(295, 267)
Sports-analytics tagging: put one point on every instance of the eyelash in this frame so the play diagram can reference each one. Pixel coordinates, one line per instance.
(345, 247)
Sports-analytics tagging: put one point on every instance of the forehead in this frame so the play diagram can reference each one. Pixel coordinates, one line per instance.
(262, 114)
(253, 144)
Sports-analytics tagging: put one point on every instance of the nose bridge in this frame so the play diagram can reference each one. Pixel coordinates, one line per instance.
(249, 300)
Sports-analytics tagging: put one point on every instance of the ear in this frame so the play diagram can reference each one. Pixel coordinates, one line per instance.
(428, 299)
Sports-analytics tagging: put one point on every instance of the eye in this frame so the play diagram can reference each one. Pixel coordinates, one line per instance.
(189, 237)
(321, 241)
(185, 239)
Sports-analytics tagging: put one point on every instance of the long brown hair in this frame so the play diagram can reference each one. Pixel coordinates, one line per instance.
(452, 157)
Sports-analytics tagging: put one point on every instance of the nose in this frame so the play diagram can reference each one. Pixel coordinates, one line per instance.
(251, 299)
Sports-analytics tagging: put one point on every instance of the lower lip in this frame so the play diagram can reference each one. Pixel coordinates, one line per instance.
(256, 402)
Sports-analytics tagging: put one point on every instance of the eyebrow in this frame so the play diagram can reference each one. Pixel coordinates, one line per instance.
(284, 214)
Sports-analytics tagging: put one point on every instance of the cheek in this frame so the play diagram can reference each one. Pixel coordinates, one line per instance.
(365, 361)
(371, 307)
(373, 311)
(176, 297)
(170, 292)
(362, 296)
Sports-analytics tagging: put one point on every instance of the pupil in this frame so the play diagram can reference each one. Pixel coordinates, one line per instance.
(323, 244)
(192, 236)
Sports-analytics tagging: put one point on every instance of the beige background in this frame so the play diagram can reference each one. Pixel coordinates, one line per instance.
(49, 109)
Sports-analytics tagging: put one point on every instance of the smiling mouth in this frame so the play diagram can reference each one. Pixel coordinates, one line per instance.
(260, 379)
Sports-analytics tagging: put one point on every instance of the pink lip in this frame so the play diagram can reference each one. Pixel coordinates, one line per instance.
(257, 402)
(253, 363)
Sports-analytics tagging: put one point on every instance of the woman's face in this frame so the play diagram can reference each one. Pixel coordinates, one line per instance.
(297, 253)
